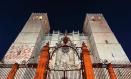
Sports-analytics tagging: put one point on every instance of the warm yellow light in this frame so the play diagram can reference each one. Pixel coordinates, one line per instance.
(37, 17)
(40, 17)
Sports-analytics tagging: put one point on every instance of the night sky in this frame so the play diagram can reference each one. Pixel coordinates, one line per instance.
(63, 15)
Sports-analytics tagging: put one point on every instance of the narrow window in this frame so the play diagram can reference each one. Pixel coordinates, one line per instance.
(106, 41)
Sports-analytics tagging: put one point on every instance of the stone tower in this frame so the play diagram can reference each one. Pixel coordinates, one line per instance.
(104, 45)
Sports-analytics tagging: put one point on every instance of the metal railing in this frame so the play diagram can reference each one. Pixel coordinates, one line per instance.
(27, 71)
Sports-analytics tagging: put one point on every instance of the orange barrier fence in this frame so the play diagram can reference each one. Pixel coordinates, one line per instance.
(13, 71)
(91, 70)
(111, 71)
(87, 62)
(41, 68)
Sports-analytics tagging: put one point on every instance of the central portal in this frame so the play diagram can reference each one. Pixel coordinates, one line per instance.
(64, 62)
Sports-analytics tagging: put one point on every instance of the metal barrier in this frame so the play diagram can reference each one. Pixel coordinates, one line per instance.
(68, 74)
(4, 72)
(27, 71)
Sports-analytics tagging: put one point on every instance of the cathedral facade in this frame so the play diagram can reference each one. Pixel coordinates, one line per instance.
(38, 54)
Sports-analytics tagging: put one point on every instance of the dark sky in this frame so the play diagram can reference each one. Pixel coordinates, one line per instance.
(63, 15)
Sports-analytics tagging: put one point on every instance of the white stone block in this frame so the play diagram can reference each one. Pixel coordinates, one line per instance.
(32, 27)
(99, 27)
(104, 38)
(27, 38)
(112, 53)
